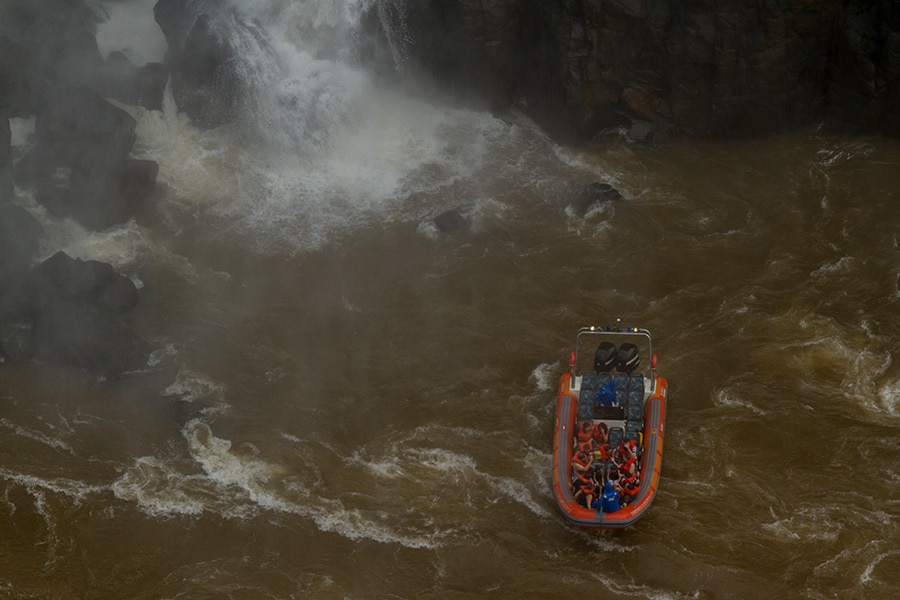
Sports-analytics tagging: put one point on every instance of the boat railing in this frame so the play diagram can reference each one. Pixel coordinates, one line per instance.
(616, 331)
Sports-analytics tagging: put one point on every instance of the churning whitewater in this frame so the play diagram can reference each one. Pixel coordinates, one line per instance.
(344, 401)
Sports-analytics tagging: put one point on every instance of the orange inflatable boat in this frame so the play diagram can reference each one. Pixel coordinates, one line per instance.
(610, 426)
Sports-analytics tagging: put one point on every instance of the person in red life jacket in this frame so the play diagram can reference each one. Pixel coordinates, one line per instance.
(601, 433)
(628, 466)
(584, 432)
(602, 452)
(630, 487)
(585, 488)
(581, 462)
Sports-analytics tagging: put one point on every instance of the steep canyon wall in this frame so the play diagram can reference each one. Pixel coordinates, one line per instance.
(696, 67)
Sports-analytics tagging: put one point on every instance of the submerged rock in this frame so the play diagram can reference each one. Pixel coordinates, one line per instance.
(66, 311)
(451, 222)
(593, 195)
(61, 278)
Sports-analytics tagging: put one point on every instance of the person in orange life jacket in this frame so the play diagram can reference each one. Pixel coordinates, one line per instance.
(608, 500)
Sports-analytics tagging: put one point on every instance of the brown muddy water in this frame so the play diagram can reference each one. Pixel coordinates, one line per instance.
(345, 403)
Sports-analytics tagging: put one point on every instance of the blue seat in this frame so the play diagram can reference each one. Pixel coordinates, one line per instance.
(589, 381)
(634, 412)
(587, 396)
(585, 412)
(616, 435)
(636, 382)
(634, 397)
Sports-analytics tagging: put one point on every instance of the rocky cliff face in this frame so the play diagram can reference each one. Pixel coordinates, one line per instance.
(700, 67)
(77, 164)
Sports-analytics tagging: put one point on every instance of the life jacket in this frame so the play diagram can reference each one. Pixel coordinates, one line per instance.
(627, 480)
(585, 431)
(632, 490)
(582, 482)
(603, 451)
(582, 459)
(586, 447)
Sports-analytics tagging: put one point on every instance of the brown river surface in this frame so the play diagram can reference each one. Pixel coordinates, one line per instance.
(346, 403)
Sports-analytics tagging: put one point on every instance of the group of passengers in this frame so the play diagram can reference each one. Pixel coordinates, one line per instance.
(603, 476)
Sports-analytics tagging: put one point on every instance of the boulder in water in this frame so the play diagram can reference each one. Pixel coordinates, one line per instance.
(61, 278)
(451, 222)
(20, 235)
(594, 194)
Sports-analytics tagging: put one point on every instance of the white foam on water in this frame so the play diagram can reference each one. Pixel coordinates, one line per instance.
(159, 490)
(191, 386)
(729, 398)
(37, 436)
(76, 491)
(326, 149)
(543, 377)
(889, 398)
(518, 492)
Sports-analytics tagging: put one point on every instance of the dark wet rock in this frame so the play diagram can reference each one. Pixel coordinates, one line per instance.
(451, 222)
(643, 131)
(6, 166)
(18, 67)
(594, 194)
(61, 278)
(84, 337)
(702, 68)
(80, 162)
(5, 140)
(20, 237)
(67, 311)
(51, 43)
(210, 54)
(82, 130)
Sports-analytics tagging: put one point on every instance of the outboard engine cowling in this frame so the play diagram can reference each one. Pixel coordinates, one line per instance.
(605, 358)
(627, 358)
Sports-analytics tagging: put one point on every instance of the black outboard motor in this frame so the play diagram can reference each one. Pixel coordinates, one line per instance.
(628, 358)
(605, 358)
